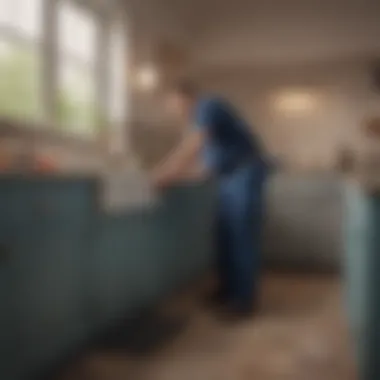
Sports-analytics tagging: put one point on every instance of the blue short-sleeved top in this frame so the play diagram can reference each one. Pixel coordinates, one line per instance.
(230, 141)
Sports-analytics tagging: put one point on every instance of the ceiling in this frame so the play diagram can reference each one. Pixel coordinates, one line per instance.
(235, 32)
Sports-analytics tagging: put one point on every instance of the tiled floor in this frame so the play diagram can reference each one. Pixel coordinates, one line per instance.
(299, 335)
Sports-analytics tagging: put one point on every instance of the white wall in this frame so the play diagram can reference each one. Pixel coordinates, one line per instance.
(310, 139)
(262, 31)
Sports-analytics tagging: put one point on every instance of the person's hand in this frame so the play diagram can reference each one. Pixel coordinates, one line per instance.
(160, 179)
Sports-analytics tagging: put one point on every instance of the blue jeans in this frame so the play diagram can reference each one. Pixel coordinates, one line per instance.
(239, 227)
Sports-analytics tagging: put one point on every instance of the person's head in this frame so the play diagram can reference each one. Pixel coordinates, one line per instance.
(180, 99)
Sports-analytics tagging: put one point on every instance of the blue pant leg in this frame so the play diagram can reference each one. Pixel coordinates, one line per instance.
(255, 226)
(223, 251)
(244, 221)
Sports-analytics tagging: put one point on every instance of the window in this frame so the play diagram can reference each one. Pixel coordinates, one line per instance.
(117, 103)
(76, 69)
(20, 40)
(89, 56)
(117, 108)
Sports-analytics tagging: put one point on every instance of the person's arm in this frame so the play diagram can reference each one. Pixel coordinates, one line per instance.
(185, 154)
(180, 159)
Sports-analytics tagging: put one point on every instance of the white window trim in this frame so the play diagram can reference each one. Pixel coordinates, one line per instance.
(49, 54)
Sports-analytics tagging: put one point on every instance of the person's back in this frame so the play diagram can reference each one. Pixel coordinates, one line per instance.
(231, 141)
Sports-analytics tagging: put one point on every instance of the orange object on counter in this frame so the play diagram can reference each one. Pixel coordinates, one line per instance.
(45, 165)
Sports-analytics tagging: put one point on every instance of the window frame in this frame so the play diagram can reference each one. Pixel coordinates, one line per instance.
(49, 53)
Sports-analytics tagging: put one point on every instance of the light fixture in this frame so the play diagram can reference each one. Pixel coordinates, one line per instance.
(147, 77)
(295, 102)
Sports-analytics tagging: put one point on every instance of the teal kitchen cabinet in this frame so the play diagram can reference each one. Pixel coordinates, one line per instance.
(169, 225)
(139, 256)
(68, 269)
(183, 232)
(191, 210)
(362, 265)
(122, 272)
(12, 218)
(8, 332)
(47, 261)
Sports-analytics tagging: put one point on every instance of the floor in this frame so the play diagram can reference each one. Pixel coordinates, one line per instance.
(300, 334)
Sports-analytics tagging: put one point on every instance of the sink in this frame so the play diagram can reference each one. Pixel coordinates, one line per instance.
(126, 190)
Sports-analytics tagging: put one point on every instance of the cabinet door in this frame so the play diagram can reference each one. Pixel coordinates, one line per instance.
(49, 256)
(13, 217)
(191, 212)
(123, 273)
(7, 331)
(184, 230)
(356, 258)
(8, 327)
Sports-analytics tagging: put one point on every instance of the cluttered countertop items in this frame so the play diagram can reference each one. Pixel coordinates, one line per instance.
(122, 184)
(121, 181)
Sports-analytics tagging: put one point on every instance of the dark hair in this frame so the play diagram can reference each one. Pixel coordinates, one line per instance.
(185, 87)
